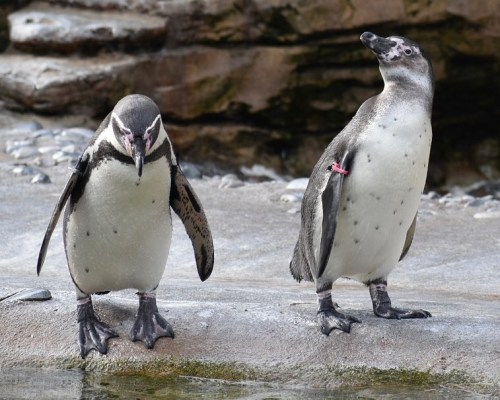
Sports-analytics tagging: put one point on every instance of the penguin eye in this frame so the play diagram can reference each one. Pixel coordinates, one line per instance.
(408, 52)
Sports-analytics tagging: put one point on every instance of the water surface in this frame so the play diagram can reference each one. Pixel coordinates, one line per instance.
(52, 384)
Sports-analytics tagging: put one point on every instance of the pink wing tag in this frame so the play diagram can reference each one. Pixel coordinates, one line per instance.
(336, 168)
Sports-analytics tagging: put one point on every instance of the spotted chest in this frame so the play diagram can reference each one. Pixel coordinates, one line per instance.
(380, 196)
(118, 233)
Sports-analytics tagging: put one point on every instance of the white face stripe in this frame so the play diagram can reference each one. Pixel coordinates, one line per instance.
(121, 124)
(153, 124)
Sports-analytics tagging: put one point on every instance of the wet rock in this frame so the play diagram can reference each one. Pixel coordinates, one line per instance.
(42, 28)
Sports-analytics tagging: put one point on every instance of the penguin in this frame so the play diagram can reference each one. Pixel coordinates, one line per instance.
(359, 209)
(117, 222)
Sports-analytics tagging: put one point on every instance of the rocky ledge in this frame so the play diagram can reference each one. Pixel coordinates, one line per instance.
(250, 320)
(267, 82)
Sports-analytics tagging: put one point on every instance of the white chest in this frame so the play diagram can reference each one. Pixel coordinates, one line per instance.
(380, 196)
(119, 233)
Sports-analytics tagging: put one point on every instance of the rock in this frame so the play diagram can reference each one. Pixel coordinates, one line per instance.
(81, 134)
(26, 170)
(487, 215)
(298, 184)
(38, 294)
(12, 145)
(42, 28)
(48, 149)
(292, 197)
(430, 196)
(41, 178)
(30, 126)
(476, 203)
(42, 133)
(24, 152)
(259, 171)
(487, 158)
(191, 171)
(56, 85)
(62, 156)
(230, 181)
(274, 81)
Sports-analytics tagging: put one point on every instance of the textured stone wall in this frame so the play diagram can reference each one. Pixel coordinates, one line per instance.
(259, 81)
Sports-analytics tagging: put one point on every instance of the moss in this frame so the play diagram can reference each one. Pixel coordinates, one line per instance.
(171, 367)
(398, 377)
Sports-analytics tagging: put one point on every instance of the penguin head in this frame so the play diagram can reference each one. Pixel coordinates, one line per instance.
(136, 122)
(401, 60)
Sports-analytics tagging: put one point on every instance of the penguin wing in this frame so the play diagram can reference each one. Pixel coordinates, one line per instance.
(78, 172)
(330, 199)
(187, 206)
(409, 238)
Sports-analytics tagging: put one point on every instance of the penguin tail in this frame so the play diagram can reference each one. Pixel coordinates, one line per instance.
(299, 268)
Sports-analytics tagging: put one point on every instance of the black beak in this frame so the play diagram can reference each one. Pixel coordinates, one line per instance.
(138, 154)
(377, 44)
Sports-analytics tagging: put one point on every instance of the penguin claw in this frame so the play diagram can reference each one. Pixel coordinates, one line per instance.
(332, 319)
(150, 325)
(382, 306)
(94, 334)
(399, 313)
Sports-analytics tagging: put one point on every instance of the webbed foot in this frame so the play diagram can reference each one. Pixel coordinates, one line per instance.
(382, 306)
(93, 333)
(329, 318)
(149, 325)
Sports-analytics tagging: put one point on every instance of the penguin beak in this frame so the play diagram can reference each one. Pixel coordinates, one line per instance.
(377, 44)
(138, 154)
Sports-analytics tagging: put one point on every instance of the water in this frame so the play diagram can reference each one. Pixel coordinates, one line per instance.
(51, 384)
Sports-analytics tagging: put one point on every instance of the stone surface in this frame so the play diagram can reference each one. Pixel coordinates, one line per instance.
(38, 294)
(270, 81)
(42, 28)
(55, 85)
(250, 317)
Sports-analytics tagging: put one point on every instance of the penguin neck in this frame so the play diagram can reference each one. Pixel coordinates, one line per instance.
(413, 89)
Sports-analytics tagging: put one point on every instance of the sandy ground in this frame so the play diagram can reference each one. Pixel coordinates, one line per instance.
(251, 315)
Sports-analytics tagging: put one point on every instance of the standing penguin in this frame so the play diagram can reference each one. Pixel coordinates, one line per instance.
(118, 225)
(359, 209)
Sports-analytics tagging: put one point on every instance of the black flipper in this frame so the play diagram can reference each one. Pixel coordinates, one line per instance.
(409, 238)
(187, 206)
(78, 173)
(330, 201)
(149, 325)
